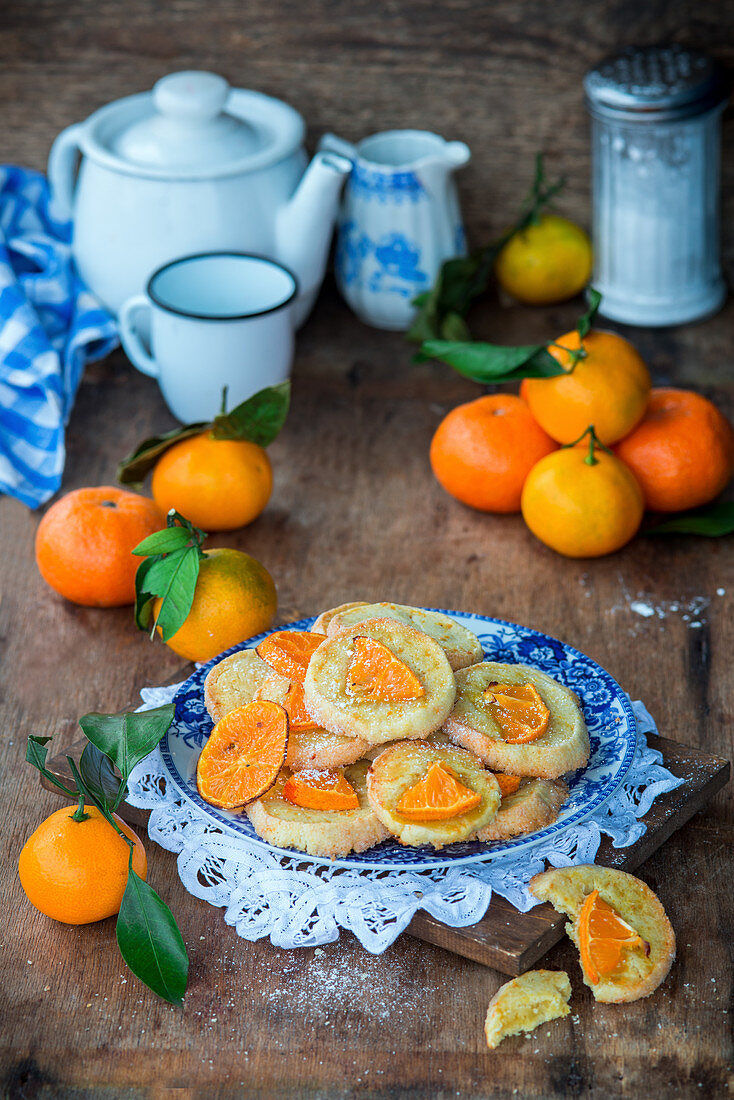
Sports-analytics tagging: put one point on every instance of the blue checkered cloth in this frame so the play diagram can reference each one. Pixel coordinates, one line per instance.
(50, 326)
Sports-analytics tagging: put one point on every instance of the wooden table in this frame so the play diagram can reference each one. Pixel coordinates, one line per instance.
(356, 514)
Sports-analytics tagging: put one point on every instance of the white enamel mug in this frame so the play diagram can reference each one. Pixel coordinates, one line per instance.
(214, 319)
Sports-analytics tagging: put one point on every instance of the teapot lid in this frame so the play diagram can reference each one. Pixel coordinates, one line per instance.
(192, 125)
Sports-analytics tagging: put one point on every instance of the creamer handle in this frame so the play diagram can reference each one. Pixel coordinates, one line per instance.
(63, 162)
(135, 350)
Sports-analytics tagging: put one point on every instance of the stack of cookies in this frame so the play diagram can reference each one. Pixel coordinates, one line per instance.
(397, 727)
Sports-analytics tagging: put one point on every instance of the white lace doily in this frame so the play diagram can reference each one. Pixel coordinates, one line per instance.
(301, 904)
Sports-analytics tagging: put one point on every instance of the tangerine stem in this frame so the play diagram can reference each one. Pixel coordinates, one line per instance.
(594, 441)
(80, 813)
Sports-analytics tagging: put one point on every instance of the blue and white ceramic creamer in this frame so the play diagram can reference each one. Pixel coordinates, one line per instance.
(399, 220)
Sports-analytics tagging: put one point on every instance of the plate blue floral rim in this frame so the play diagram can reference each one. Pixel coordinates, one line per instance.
(607, 710)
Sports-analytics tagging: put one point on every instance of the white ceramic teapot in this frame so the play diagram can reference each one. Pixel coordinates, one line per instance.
(193, 166)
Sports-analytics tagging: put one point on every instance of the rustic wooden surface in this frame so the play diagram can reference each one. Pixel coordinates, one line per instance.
(355, 514)
(505, 939)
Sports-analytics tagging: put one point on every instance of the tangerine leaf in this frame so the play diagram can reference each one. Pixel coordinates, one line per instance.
(584, 323)
(257, 420)
(492, 363)
(150, 941)
(144, 600)
(134, 468)
(127, 738)
(713, 521)
(100, 778)
(36, 753)
(92, 798)
(163, 542)
(174, 578)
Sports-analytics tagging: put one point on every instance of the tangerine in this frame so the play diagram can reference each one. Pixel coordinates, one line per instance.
(376, 674)
(482, 451)
(602, 937)
(582, 502)
(681, 452)
(519, 711)
(438, 796)
(548, 261)
(235, 597)
(218, 484)
(609, 387)
(288, 652)
(76, 871)
(244, 754)
(320, 790)
(84, 544)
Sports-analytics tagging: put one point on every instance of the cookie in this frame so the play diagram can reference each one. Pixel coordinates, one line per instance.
(341, 709)
(323, 620)
(330, 833)
(233, 682)
(641, 968)
(527, 1002)
(400, 767)
(460, 645)
(534, 805)
(563, 747)
(312, 748)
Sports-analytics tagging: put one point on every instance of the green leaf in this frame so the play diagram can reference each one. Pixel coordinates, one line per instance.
(36, 753)
(99, 777)
(127, 738)
(585, 322)
(150, 942)
(91, 797)
(173, 578)
(493, 363)
(163, 542)
(713, 521)
(134, 468)
(257, 420)
(144, 600)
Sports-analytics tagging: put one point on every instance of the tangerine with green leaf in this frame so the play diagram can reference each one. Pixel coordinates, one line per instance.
(582, 501)
(85, 543)
(547, 261)
(604, 382)
(75, 871)
(219, 484)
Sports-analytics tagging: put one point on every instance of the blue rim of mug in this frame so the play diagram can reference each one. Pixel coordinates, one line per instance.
(224, 316)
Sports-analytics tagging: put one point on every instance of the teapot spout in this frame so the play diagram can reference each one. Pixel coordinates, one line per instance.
(304, 226)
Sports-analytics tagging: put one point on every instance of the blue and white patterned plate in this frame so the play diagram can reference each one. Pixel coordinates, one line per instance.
(606, 708)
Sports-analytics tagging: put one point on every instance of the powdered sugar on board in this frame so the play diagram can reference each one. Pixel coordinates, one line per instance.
(647, 609)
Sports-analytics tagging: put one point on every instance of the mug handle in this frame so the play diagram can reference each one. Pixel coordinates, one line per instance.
(135, 350)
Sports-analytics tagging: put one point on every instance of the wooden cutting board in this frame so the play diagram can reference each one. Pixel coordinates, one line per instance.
(505, 939)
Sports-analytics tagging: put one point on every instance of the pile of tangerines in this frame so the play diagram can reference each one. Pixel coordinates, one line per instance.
(582, 454)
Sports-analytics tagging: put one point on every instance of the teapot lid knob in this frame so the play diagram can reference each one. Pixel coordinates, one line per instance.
(195, 96)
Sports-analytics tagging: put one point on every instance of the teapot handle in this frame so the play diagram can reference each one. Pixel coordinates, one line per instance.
(330, 143)
(62, 168)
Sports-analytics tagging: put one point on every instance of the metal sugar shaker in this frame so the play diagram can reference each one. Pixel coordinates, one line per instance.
(656, 120)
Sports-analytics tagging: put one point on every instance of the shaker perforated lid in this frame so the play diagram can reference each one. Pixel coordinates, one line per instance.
(655, 83)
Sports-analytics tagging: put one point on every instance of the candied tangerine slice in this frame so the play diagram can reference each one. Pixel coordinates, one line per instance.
(289, 651)
(320, 790)
(508, 784)
(519, 711)
(243, 755)
(602, 937)
(376, 674)
(299, 720)
(438, 796)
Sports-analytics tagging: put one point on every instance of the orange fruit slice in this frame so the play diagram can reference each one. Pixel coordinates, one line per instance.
(299, 720)
(320, 790)
(243, 755)
(437, 796)
(508, 784)
(518, 710)
(374, 673)
(289, 651)
(603, 935)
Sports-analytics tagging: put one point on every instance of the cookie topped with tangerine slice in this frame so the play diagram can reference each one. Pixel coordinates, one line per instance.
(233, 682)
(431, 793)
(461, 646)
(324, 813)
(381, 681)
(527, 805)
(518, 720)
